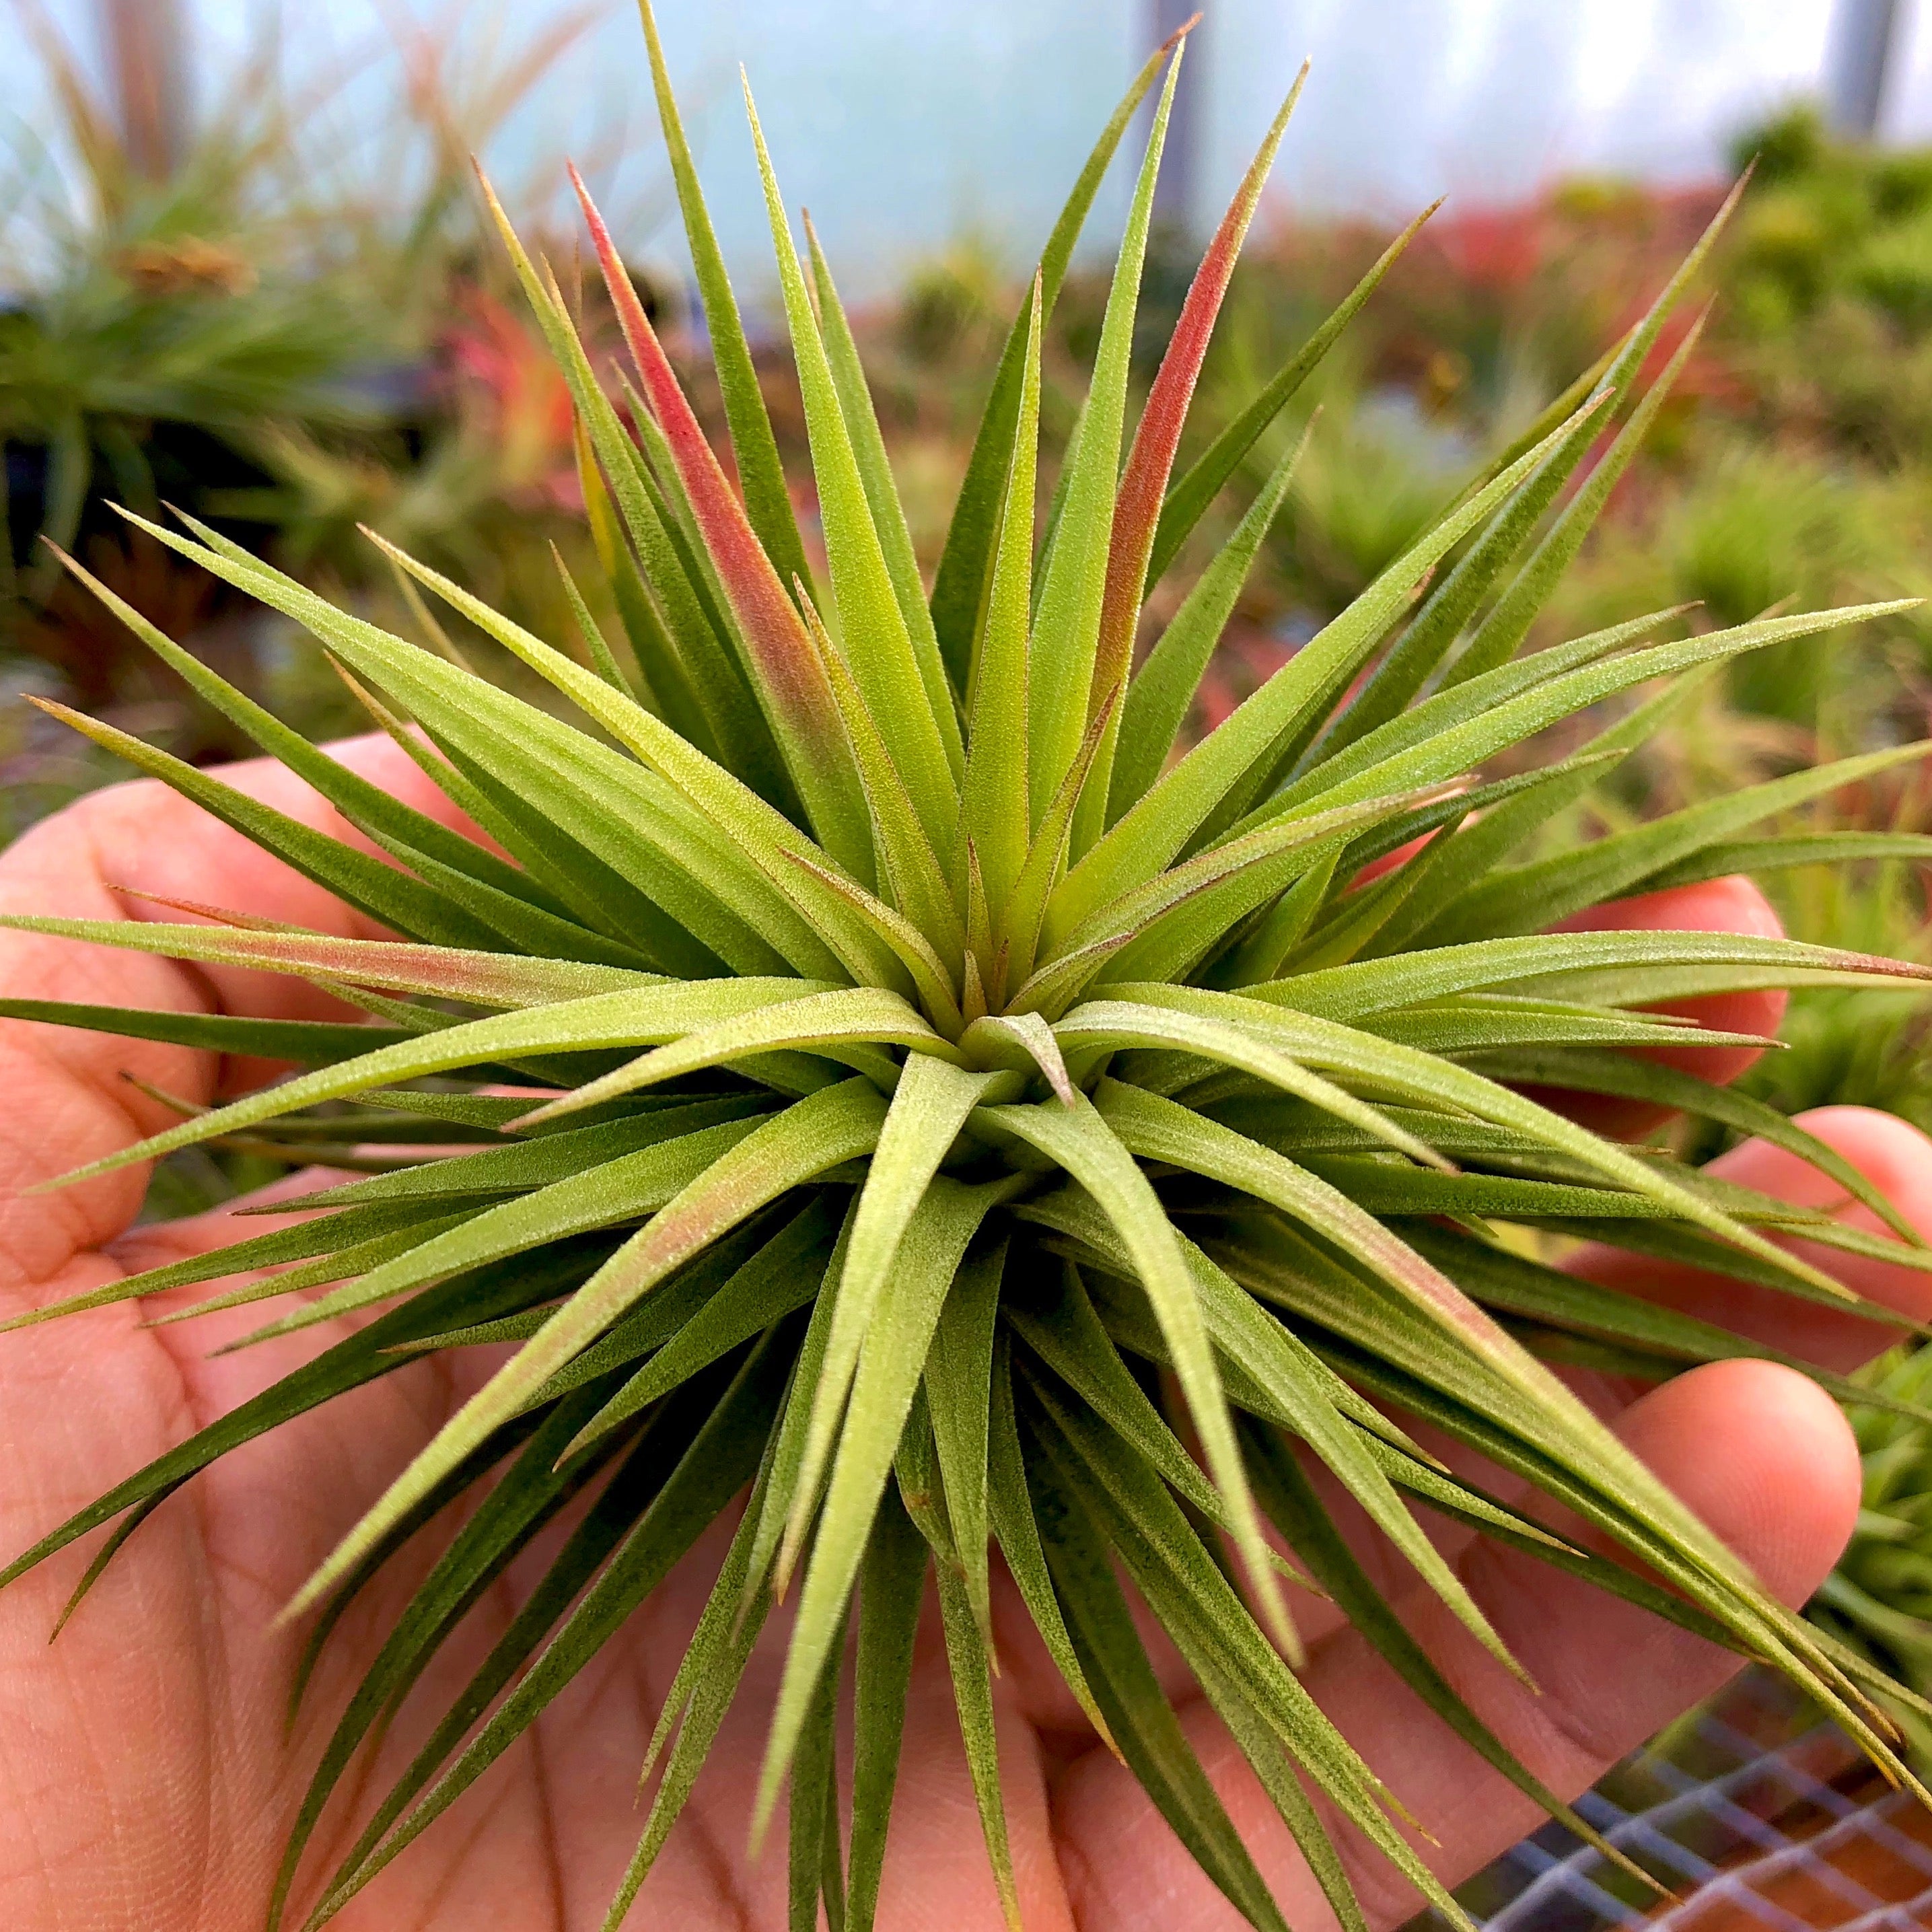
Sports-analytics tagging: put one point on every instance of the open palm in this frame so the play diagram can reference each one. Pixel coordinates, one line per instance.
(147, 1775)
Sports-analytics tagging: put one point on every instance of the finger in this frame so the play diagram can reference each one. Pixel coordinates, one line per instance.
(144, 836)
(69, 1104)
(1894, 1155)
(1733, 904)
(1898, 1159)
(1783, 1493)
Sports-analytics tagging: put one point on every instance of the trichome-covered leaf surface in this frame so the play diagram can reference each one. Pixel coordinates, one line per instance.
(891, 1092)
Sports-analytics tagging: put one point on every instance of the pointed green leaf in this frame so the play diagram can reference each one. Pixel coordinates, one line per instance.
(1533, 898)
(528, 1495)
(1153, 833)
(768, 503)
(1067, 627)
(1296, 1509)
(996, 813)
(1163, 688)
(1504, 629)
(958, 1383)
(834, 1125)
(790, 686)
(361, 1358)
(384, 893)
(784, 1274)
(1138, 1714)
(813, 1807)
(720, 1459)
(625, 1018)
(482, 978)
(374, 811)
(886, 667)
(910, 870)
(307, 1042)
(1080, 1141)
(892, 1355)
(930, 1106)
(892, 1587)
(965, 567)
(1178, 1577)
(1150, 463)
(829, 1023)
(1189, 499)
(721, 802)
(602, 1196)
(1115, 1023)
(868, 445)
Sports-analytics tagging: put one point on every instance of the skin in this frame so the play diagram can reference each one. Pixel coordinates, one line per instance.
(147, 1780)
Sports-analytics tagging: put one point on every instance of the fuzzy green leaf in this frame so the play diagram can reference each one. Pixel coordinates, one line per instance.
(1137, 506)
(891, 1358)
(864, 595)
(996, 815)
(965, 566)
(1163, 688)
(719, 1460)
(819, 1132)
(892, 1587)
(958, 1385)
(1150, 835)
(930, 1107)
(784, 1274)
(1534, 897)
(1114, 1662)
(768, 502)
(1077, 1138)
(1066, 624)
(599, 1020)
(1188, 500)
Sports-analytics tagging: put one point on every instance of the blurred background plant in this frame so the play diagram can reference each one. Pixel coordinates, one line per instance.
(288, 334)
(1880, 1598)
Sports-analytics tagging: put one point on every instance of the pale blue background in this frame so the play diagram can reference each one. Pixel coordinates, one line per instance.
(902, 123)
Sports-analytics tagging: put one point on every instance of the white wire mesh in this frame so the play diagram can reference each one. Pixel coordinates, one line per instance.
(1757, 1817)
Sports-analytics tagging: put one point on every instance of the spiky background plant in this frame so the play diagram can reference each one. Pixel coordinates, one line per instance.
(1880, 1598)
(882, 1086)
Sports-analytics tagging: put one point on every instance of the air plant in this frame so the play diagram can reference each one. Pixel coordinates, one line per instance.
(897, 1106)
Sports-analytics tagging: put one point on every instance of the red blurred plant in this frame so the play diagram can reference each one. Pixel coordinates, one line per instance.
(501, 383)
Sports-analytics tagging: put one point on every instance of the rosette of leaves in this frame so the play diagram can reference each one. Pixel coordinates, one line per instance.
(896, 1106)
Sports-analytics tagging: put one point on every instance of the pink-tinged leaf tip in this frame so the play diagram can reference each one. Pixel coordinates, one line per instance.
(792, 681)
(773, 628)
(1143, 487)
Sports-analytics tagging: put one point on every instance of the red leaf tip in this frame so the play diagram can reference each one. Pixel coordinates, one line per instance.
(1181, 32)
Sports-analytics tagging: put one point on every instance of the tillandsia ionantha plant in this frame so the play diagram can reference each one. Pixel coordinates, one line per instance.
(873, 1080)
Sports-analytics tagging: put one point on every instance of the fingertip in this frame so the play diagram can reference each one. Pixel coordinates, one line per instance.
(1733, 903)
(1894, 1156)
(1891, 1153)
(1765, 1460)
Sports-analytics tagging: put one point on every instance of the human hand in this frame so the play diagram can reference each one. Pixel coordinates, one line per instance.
(147, 1780)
